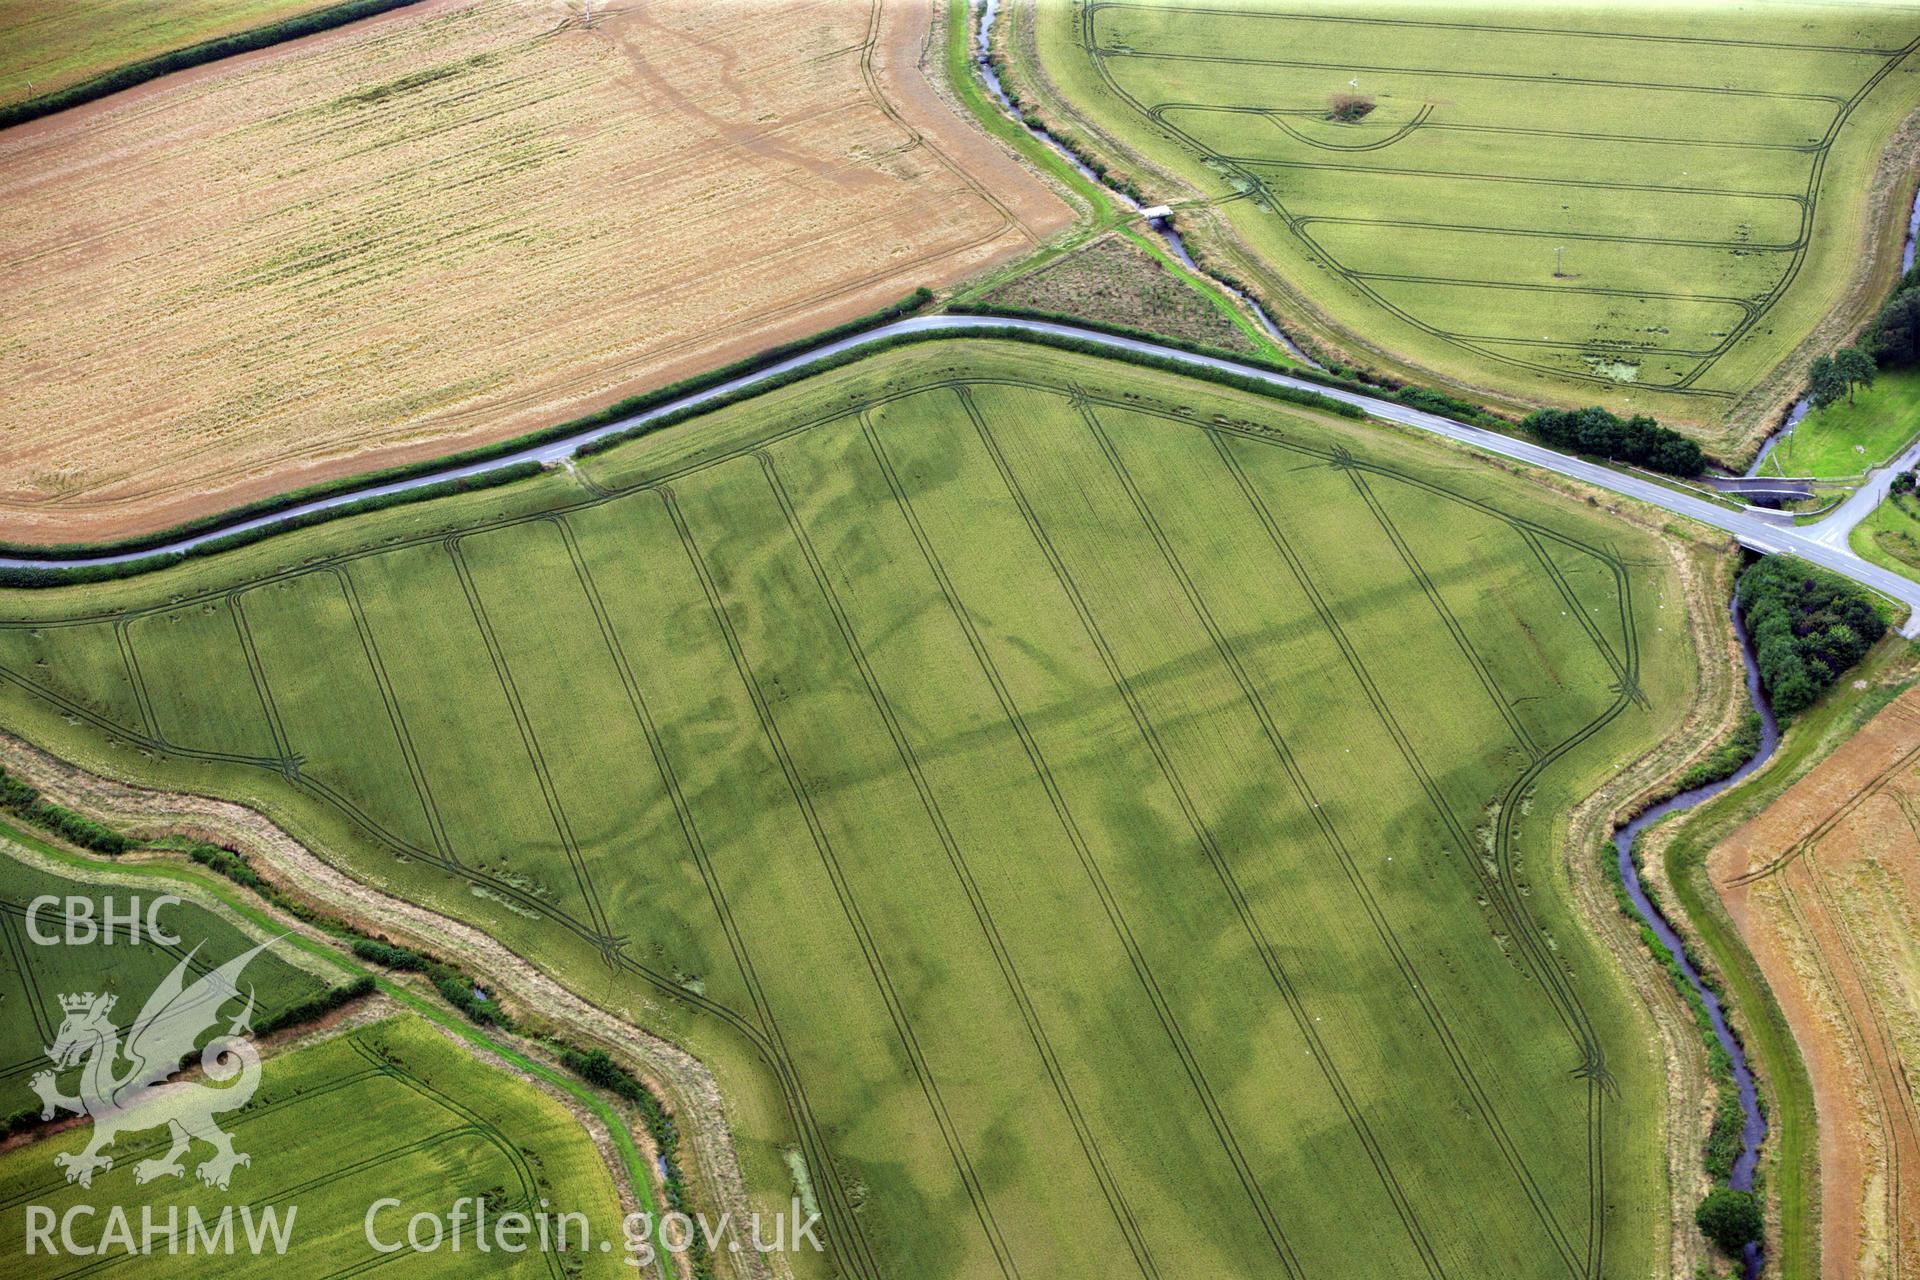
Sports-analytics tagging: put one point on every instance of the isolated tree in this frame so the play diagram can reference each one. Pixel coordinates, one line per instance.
(1856, 366)
(1896, 333)
(1731, 1219)
(1825, 383)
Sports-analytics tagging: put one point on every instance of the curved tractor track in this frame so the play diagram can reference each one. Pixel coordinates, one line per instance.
(1256, 173)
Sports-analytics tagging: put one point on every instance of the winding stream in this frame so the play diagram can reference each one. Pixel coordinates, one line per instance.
(1753, 1129)
(1801, 405)
(989, 11)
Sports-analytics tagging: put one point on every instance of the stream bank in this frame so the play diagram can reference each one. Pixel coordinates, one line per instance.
(1753, 1128)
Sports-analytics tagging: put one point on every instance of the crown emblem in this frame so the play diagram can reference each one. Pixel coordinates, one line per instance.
(82, 1001)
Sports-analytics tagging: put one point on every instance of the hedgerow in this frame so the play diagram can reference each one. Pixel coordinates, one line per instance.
(59, 576)
(1060, 342)
(134, 73)
(467, 457)
(1639, 440)
(23, 801)
(66, 576)
(598, 1068)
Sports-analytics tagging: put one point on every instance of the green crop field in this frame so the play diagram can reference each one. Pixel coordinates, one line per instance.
(34, 976)
(54, 43)
(394, 1109)
(1648, 207)
(1850, 439)
(1089, 820)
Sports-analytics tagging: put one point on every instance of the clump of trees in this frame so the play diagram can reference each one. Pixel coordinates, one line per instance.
(1731, 1219)
(1808, 627)
(1838, 375)
(1894, 337)
(1639, 440)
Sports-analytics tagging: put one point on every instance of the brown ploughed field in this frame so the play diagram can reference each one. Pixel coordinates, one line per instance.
(454, 224)
(1825, 888)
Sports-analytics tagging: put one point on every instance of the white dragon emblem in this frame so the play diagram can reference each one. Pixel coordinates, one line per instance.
(138, 1096)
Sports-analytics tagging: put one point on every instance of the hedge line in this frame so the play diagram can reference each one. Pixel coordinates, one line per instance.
(62, 577)
(1724, 760)
(1409, 394)
(293, 1015)
(597, 1068)
(1083, 346)
(483, 453)
(1723, 1142)
(1638, 440)
(453, 984)
(133, 73)
(21, 800)
(52, 577)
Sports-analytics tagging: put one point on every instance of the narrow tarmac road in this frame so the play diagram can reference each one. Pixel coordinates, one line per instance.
(1823, 543)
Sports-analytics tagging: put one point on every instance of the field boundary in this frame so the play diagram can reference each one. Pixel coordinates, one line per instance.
(128, 75)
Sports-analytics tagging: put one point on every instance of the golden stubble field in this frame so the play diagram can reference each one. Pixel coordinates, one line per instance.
(1825, 888)
(455, 224)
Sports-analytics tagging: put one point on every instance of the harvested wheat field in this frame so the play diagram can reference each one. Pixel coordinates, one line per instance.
(1825, 888)
(452, 225)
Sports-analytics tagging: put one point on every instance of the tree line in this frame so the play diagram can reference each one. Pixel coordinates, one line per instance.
(1639, 440)
(1892, 341)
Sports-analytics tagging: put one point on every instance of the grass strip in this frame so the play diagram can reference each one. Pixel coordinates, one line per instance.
(112, 81)
(1106, 212)
(56, 576)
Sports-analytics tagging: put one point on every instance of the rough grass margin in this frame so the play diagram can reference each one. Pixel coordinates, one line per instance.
(126, 76)
(56, 576)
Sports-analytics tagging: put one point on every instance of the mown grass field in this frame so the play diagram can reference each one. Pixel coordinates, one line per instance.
(49, 45)
(33, 976)
(1091, 822)
(392, 1109)
(1850, 439)
(1706, 172)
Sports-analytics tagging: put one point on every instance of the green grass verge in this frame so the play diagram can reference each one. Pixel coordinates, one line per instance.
(82, 38)
(1844, 440)
(1890, 536)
